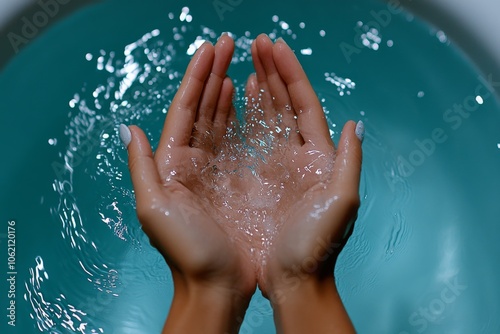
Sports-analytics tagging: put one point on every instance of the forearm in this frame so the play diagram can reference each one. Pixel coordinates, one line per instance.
(311, 307)
(200, 309)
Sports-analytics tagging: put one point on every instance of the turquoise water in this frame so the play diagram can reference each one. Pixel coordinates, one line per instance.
(423, 255)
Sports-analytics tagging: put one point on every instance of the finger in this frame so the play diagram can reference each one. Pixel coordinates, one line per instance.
(310, 116)
(182, 112)
(347, 166)
(211, 93)
(257, 129)
(232, 119)
(252, 92)
(276, 85)
(287, 124)
(253, 112)
(145, 177)
(224, 105)
(232, 122)
(264, 96)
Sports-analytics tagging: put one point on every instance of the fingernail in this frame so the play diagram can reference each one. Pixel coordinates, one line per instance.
(225, 33)
(281, 40)
(125, 135)
(360, 130)
(204, 43)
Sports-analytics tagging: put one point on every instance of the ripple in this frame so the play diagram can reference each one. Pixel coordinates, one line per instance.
(383, 173)
(53, 314)
(400, 233)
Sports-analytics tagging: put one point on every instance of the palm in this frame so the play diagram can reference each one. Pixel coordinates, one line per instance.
(182, 167)
(309, 183)
(271, 205)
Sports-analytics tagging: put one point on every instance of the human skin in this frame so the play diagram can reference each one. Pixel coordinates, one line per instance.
(214, 281)
(211, 292)
(298, 278)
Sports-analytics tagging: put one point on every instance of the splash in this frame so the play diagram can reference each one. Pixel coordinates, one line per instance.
(251, 177)
(256, 176)
(253, 169)
(54, 315)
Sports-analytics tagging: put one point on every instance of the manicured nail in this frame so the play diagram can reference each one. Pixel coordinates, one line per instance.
(125, 135)
(225, 33)
(360, 130)
(281, 40)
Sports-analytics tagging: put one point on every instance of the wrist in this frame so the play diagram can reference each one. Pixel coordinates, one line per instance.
(217, 309)
(309, 305)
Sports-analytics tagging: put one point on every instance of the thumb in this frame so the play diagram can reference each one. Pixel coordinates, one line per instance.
(142, 166)
(347, 167)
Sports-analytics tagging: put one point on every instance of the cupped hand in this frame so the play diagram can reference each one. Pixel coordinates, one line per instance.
(320, 183)
(273, 210)
(170, 187)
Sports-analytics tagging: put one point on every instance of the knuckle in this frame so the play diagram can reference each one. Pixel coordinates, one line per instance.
(133, 164)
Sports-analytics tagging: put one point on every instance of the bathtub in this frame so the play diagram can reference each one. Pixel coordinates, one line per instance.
(422, 257)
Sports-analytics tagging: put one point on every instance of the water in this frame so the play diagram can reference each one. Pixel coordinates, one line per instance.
(421, 258)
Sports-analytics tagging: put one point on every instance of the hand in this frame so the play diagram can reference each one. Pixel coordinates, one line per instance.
(207, 269)
(315, 213)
